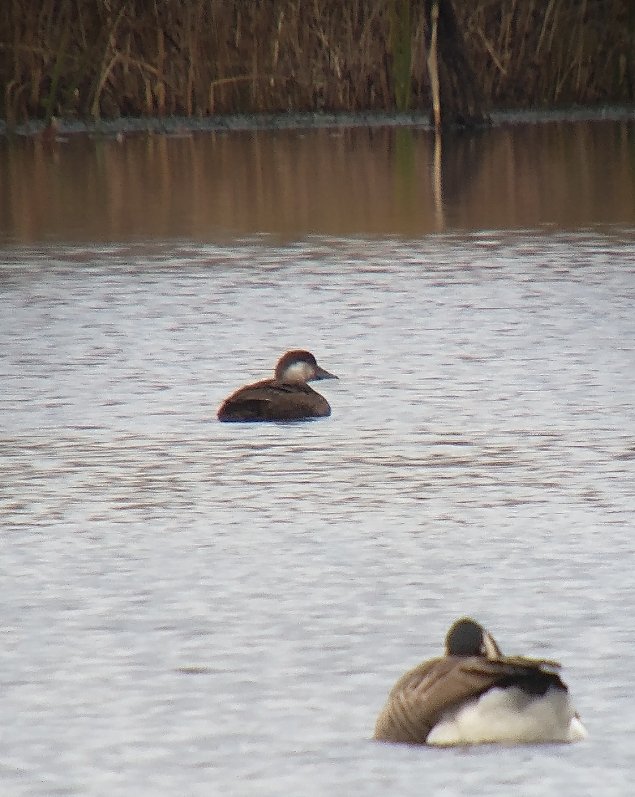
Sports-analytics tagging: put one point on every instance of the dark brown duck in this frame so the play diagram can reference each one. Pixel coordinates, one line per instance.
(286, 397)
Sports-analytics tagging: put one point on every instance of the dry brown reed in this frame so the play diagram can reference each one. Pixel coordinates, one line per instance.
(554, 52)
(110, 58)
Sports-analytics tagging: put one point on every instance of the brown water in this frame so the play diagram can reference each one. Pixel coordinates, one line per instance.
(195, 608)
(337, 182)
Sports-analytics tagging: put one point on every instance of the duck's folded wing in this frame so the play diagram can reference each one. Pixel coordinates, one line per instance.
(254, 399)
(533, 676)
(526, 661)
(268, 392)
(273, 400)
(245, 404)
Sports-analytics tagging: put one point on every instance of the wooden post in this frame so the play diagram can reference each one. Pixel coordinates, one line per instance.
(433, 66)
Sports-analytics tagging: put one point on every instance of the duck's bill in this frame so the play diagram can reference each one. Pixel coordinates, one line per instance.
(321, 373)
(490, 648)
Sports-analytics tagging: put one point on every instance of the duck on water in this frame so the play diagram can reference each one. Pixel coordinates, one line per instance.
(475, 695)
(286, 397)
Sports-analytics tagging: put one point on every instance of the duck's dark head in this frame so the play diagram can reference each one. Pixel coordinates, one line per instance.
(300, 366)
(466, 637)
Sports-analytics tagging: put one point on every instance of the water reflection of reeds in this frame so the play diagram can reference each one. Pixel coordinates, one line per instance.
(366, 182)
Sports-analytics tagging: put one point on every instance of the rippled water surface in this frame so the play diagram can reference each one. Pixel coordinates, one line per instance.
(191, 607)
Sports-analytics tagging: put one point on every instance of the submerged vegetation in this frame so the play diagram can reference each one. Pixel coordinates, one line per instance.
(110, 58)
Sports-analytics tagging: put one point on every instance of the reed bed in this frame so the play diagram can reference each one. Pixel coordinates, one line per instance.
(112, 58)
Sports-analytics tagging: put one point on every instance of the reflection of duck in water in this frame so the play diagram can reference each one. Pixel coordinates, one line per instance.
(475, 695)
(286, 397)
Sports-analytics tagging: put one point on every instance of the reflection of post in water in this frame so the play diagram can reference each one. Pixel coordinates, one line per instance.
(457, 98)
(437, 183)
(408, 177)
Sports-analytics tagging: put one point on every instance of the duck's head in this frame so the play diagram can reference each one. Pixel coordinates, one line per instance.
(300, 366)
(466, 637)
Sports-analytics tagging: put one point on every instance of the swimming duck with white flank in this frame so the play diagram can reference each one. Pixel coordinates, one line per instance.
(476, 695)
(286, 397)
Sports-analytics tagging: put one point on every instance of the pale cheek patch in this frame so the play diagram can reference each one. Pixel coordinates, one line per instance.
(298, 372)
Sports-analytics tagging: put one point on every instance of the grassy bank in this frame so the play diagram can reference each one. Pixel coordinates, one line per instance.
(110, 58)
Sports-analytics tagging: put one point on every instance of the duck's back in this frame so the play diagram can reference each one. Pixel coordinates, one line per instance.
(274, 400)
